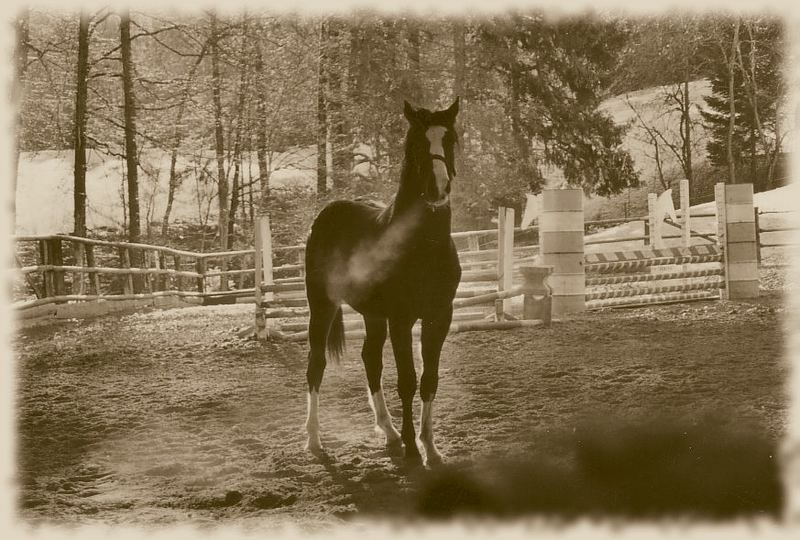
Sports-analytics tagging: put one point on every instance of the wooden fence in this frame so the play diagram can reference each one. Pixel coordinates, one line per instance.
(64, 270)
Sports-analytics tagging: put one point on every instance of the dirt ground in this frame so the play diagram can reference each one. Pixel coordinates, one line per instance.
(167, 417)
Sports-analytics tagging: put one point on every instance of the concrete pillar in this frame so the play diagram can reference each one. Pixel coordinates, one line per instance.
(737, 231)
(561, 246)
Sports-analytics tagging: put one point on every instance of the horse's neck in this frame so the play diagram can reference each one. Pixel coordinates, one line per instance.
(410, 212)
(416, 219)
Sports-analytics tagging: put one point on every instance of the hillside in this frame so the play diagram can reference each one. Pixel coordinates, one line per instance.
(44, 194)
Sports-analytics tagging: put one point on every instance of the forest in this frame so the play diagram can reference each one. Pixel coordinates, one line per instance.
(256, 112)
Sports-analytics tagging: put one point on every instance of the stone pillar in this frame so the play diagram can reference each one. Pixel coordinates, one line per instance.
(737, 237)
(561, 246)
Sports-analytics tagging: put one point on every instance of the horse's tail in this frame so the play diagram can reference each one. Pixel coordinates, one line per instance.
(335, 344)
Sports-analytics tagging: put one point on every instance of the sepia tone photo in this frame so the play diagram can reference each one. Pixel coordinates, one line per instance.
(316, 270)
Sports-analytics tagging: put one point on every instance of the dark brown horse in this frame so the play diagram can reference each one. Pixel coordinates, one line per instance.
(394, 265)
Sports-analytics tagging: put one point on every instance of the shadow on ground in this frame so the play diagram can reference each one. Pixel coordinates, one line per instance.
(641, 470)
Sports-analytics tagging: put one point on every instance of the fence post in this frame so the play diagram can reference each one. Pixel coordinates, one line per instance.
(686, 229)
(740, 247)
(147, 278)
(176, 260)
(561, 246)
(77, 277)
(758, 235)
(240, 285)
(200, 268)
(655, 229)
(505, 258)
(125, 257)
(263, 273)
(223, 279)
(94, 277)
(719, 207)
(163, 279)
(47, 275)
(55, 258)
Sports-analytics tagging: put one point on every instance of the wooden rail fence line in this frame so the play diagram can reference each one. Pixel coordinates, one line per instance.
(71, 269)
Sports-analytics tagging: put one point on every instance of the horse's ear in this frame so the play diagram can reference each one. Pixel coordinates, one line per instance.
(409, 112)
(452, 110)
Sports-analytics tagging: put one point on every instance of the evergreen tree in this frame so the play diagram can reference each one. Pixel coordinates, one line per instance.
(758, 90)
(542, 82)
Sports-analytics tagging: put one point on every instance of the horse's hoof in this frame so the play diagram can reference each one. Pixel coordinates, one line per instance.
(315, 447)
(393, 438)
(434, 459)
(413, 458)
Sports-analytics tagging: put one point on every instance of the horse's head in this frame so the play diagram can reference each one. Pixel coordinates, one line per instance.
(430, 150)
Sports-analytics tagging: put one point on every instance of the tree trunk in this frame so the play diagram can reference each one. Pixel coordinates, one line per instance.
(237, 145)
(222, 180)
(174, 178)
(81, 96)
(460, 75)
(20, 67)
(415, 91)
(322, 116)
(340, 146)
(521, 141)
(131, 153)
(687, 138)
(732, 105)
(261, 128)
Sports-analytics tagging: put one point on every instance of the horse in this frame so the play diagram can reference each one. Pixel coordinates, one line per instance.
(394, 265)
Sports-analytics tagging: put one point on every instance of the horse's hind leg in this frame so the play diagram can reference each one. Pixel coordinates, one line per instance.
(434, 332)
(322, 314)
(371, 353)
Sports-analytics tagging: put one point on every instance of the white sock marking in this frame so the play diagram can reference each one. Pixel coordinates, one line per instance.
(383, 419)
(312, 421)
(426, 433)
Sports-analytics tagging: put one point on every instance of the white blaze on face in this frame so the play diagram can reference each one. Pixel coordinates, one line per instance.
(435, 135)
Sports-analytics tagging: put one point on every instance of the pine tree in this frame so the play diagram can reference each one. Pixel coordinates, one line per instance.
(551, 78)
(757, 94)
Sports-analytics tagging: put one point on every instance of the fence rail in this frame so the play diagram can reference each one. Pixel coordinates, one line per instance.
(66, 268)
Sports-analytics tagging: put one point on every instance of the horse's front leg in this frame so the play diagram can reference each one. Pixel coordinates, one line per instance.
(371, 353)
(400, 335)
(434, 332)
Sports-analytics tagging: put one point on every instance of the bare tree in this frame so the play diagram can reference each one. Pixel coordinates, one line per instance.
(131, 153)
(322, 116)
(175, 178)
(750, 81)
(81, 96)
(244, 67)
(22, 28)
(460, 74)
(731, 61)
(219, 141)
(261, 124)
